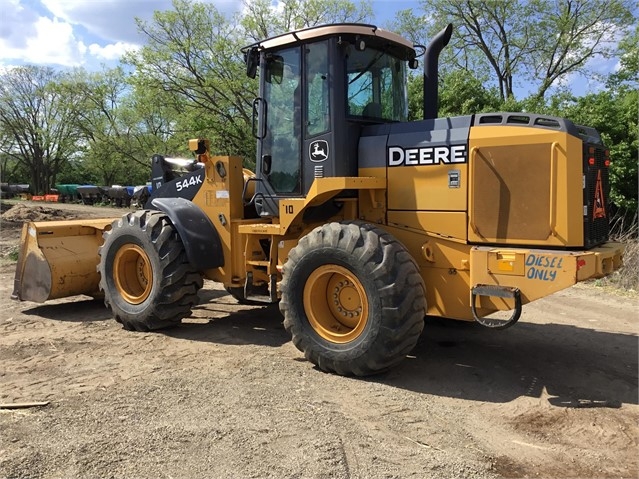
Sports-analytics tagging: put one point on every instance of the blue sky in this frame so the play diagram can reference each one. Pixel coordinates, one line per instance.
(95, 33)
(90, 33)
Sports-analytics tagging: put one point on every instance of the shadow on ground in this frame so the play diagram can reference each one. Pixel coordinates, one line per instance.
(578, 367)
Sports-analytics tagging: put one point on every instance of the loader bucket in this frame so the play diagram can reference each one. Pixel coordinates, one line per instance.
(59, 259)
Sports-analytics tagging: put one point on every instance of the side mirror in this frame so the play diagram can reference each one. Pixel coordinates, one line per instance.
(252, 59)
(413, 64)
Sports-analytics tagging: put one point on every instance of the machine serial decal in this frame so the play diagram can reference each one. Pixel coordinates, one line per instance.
(194, 180)
(432, 155)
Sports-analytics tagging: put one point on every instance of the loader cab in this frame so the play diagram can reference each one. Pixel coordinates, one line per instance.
(318, 88)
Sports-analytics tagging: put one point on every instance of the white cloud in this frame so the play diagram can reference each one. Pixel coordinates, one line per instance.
(112, 20)
(17, 23)
(61, 37)
(53, 42)
(112, 51)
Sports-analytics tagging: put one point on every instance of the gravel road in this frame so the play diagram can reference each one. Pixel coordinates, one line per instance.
(226, 394)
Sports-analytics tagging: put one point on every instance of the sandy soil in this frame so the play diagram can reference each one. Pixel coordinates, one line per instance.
(226, 394)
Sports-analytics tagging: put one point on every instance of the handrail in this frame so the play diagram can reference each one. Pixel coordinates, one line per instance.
(471, 189)
(553, 187)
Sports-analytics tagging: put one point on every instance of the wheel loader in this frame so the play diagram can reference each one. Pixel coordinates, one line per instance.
(358, 222)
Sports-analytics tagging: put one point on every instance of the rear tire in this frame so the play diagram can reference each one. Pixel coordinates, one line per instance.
(147, 280)
(352, 299)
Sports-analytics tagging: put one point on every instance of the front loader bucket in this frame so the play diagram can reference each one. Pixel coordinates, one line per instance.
(59, 259)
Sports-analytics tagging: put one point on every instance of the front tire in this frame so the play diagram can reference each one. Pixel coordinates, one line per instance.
(352, 299)
(147, 280)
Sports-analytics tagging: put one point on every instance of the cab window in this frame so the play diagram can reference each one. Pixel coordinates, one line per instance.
(317, 93)
(376, 86)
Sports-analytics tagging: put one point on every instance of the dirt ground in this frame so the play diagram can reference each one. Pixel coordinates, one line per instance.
(226, 394)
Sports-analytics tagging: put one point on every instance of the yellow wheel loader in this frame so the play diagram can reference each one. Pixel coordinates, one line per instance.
(358, 222)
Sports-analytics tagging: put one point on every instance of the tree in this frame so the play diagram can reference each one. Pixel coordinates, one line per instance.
(192, 60)
(613, 112)
(122, 127)
(569, 33)
(261, 20)
(460, 93)
(38, 119)
(540, 43)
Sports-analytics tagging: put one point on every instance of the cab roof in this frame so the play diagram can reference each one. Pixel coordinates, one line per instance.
(367, 31)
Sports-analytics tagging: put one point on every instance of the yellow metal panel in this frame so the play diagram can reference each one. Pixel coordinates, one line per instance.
(427, 187)
(452, 268)
(545, 272)
(220, 197)
(372, 203)
(599, 262)
(526, 186)
(448, 224)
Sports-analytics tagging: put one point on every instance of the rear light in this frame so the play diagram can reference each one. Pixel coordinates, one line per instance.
(591, 161)
(606, 163)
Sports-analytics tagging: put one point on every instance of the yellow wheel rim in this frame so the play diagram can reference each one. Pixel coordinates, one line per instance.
(335, 303)
(132, 273)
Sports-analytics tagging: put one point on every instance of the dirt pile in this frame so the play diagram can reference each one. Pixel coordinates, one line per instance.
(21, 212)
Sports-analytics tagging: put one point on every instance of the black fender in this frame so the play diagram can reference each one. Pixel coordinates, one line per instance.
(201, 240)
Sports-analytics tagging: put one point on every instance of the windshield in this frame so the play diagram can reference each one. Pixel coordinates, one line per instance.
(376, 86)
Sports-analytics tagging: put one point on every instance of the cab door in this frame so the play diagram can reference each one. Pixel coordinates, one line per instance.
(279, 157)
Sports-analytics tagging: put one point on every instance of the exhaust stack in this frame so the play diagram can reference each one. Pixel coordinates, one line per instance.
(431, 71)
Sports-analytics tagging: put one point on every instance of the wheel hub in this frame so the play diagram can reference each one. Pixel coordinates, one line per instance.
(132, 273)
(335, 303)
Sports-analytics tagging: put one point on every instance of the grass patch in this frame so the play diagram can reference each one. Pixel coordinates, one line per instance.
(624, 281)
(13, 254)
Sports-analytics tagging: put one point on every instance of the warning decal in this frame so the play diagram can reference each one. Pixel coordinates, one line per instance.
(599, 210)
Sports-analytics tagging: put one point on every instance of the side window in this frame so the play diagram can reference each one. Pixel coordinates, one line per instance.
(317, 93)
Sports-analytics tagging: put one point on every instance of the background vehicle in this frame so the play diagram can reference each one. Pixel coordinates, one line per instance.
(358, 222)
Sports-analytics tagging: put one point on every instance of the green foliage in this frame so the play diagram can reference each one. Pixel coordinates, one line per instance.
(192, 61)
(614, 114)
(460, 93)
(536, 43)
(261, 20)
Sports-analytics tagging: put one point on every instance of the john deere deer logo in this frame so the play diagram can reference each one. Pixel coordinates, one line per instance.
(318, 150)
